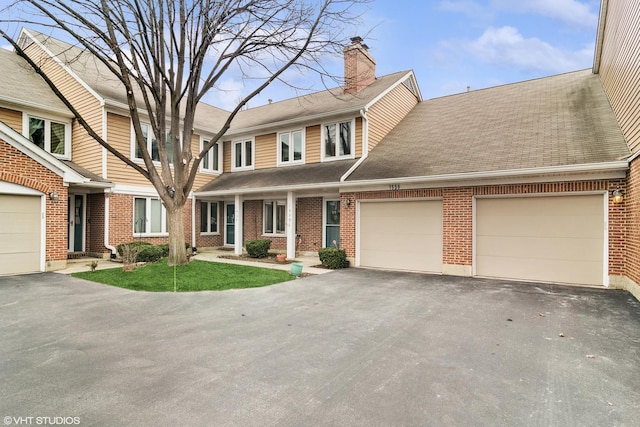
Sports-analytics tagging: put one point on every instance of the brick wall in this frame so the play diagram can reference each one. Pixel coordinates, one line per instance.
(632, 205)
(121, 221)
(309, 224)
(458, 217)
(18, 168)
(95, 224)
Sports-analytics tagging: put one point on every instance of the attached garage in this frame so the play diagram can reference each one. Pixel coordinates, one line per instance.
(400, 235)
(20, 233)
(552, 239)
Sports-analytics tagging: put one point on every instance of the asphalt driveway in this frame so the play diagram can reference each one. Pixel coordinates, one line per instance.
(349, 348)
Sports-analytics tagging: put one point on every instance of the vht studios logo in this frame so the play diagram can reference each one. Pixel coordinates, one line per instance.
(41, 421)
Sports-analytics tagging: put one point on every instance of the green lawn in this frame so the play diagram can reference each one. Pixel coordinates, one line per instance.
(195, 276)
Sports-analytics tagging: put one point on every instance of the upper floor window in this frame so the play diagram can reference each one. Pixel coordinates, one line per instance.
(152, 144)
(274, 217)
(211, 162)
(242, 154)
(291, 147)
(50, 135)
(149, 216)
(338, 140)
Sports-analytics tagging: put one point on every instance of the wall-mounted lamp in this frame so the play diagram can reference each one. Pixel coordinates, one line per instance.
(347, 203)
(53, 196)
(618, 197)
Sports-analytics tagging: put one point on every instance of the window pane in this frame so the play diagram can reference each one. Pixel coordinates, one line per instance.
(156, 216)
(268, 217)
(140, 215)
(247, 153)
(57, 138)
(345, 138)
(330, 140)
(155, 155)
(214, 152)
(281, 214)
(297, 146)
(284, 147)
(36, 132)
(213, 217)
(203, 216)
(238, 154)
(333, 212)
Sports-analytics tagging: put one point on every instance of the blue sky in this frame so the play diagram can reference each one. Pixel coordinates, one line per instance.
(452, 44)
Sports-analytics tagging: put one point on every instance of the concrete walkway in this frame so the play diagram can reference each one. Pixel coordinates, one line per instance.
(308, 262)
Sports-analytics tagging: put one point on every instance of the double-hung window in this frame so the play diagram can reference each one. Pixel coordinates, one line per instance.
(338, 140)
(291, 147)
(242, 154)
(149, 216)
(275, 212)
(209, 217)
(211, 160)
(152, 144)
(50, 135)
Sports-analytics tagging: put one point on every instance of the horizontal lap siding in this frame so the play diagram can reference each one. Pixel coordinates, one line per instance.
(12, 119)
(620, 66)
(266, 149)
(85, 151)
(119, 137)
(312, 144)
(385, 114)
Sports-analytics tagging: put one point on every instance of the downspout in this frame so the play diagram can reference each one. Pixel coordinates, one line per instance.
(193, 221)
(365, 144)
(107, 194)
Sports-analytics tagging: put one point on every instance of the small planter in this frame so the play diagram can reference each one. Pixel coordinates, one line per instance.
(281, 257)
(296, 269)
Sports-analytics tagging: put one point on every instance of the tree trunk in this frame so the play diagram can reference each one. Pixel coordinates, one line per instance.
(177, 251)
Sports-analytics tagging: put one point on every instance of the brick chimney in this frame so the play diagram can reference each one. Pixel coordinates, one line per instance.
(359, 66)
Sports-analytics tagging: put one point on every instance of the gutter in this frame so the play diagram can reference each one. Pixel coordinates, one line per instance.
(619, 165)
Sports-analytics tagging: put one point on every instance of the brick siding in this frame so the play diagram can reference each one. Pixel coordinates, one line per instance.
(18, 168)
(632, 205)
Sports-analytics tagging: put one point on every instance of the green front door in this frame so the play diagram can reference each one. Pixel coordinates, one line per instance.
(76, 222)
(230, 227)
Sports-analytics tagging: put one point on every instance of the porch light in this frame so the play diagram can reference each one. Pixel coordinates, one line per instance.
(347, 203)
(617, 195)
(53, 196)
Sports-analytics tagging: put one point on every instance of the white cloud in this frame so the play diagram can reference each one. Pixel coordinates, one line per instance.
(505, 45)
(571, 11)
(471, 8)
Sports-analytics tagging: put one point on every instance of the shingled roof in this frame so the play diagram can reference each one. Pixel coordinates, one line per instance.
(554, 121)
(316, 175)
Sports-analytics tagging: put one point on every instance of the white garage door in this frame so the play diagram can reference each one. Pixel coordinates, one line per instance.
(550, 239)
(401, 235)
(19, 234)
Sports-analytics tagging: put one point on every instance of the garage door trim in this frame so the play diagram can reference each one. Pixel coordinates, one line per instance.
(605, 211)
(8, 188)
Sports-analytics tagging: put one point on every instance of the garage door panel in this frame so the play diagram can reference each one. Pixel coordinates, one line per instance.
(557, 239)
(537, 247)
(20, 234)
(547, 225)
(404, 235)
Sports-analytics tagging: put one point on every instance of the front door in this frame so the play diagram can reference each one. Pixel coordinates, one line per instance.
(76, 222)
(230, 224)
(332, 223)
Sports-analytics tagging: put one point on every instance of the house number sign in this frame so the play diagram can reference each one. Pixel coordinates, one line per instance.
(393, 187)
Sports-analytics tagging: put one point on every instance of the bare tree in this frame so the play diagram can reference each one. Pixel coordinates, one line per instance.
(168, 54)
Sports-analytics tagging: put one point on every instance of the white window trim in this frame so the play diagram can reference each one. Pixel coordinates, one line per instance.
(47, 123)
(326, 158)
(218, 170)
(210, 233)
(280, 162)
(275, 218)
(235, 168)
(163, 218)
(149, 144)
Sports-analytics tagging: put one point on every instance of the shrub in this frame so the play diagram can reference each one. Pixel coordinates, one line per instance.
(332, 258)
(258, 248)
(132, 246)
(149, 254)
(165, 249)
